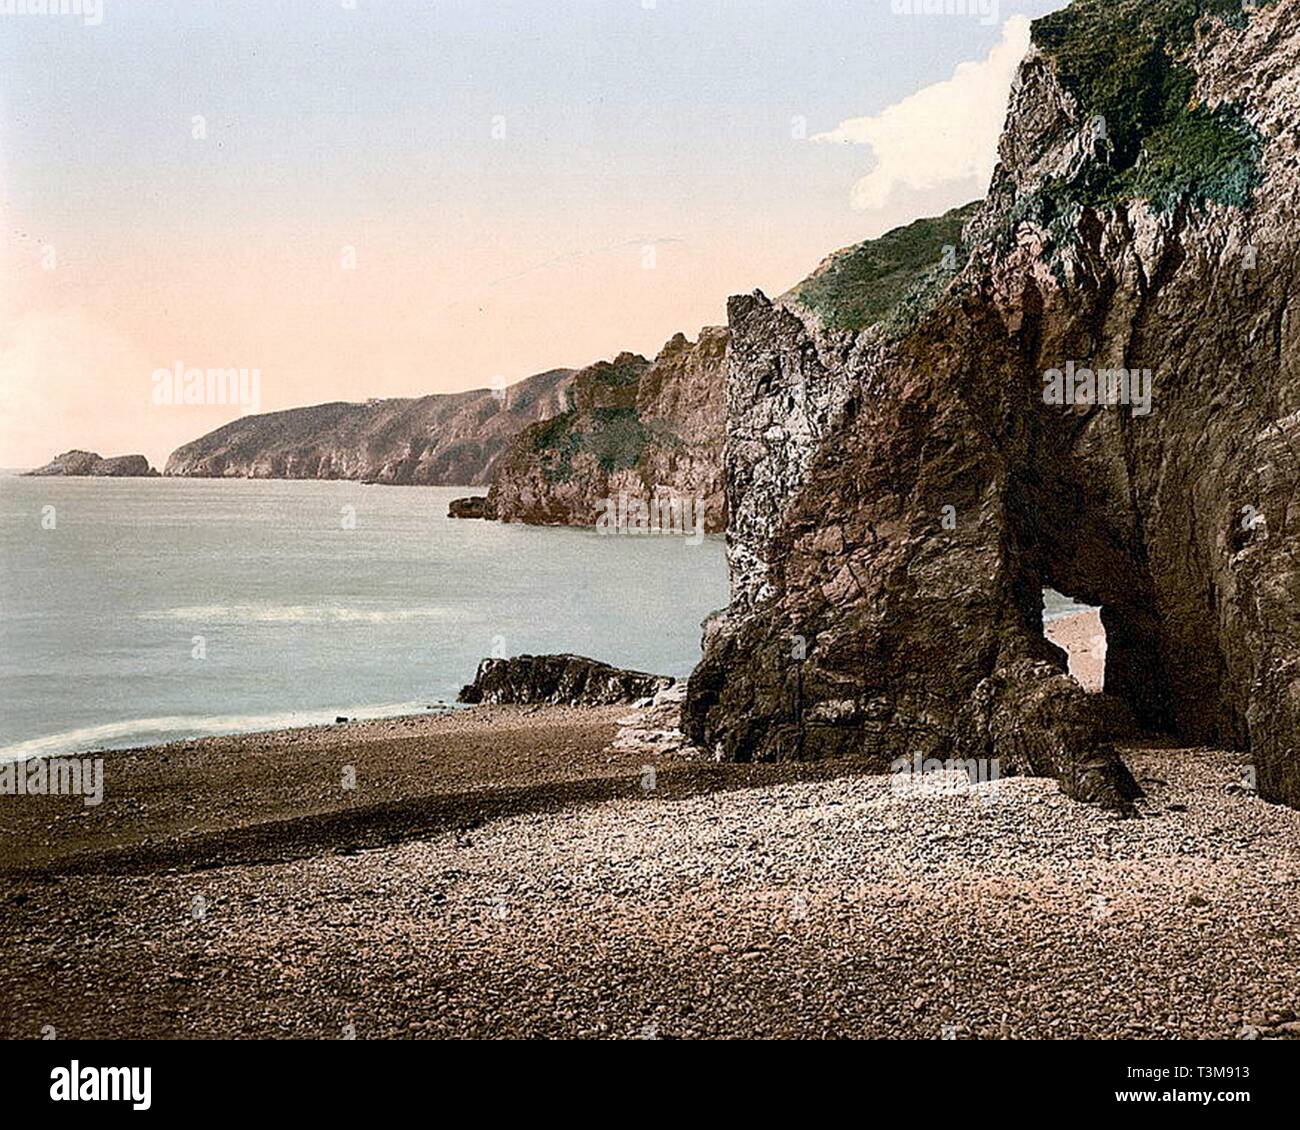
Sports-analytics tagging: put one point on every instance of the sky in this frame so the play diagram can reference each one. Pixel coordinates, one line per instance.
(375, 198)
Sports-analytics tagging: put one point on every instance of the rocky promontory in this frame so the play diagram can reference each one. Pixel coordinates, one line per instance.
(636, 429)
(452, 439)
(553, 448)
(77, 463)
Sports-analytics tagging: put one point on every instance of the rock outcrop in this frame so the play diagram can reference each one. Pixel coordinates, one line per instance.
(77, 463)
(475, 506)
(454, 439)
(635, 429)
(906, 470)
(653, 727)
(570, 680)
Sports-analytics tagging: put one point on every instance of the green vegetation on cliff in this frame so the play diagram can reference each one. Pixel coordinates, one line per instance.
(1124, 62)
(615, 436)
(885, 279)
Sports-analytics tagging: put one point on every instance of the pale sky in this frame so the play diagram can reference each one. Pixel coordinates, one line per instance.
(523, 185)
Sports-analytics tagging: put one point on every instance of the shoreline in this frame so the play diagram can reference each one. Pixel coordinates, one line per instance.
(229, 781)
(1079, 633)
(138, 677)
(402, 877)
(402, 711)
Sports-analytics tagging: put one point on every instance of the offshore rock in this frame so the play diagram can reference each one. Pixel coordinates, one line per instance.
(77, 463)
(474, 507)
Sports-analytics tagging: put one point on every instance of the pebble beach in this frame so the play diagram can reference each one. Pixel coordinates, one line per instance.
(566, 872)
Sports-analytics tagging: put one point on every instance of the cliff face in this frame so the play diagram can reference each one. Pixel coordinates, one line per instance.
(76, 463)
(907, 470)
(635, 427)
(449, 439)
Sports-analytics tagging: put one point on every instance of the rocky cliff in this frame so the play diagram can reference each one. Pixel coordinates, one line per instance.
(75, 463)
(635, 428)
(451, 439)
(1095, 386)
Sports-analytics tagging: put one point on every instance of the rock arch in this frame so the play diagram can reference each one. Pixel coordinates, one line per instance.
(1183, 522)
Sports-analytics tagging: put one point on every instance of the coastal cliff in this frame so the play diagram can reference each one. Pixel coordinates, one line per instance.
(636, 428)
(446, 439)
(75, 463)
(1089, 381)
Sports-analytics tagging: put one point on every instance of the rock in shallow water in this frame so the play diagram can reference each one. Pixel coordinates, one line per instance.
(474, 507)
(570, 680)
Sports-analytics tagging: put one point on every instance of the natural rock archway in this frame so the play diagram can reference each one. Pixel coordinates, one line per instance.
(901, 491)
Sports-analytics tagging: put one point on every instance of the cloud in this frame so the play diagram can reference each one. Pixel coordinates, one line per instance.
(944, 134)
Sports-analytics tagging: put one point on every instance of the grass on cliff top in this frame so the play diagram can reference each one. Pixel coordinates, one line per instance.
(877, 279)
(615, 436)
(1123, 60)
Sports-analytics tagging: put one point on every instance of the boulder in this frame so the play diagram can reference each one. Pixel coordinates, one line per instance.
(473, 507)
(569, 680)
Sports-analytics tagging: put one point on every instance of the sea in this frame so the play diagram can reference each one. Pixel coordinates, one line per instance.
(140, 611)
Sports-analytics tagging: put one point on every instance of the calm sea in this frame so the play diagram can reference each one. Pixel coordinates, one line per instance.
(135, 611)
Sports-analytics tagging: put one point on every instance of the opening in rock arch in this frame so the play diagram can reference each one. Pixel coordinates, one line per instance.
(1076, 627)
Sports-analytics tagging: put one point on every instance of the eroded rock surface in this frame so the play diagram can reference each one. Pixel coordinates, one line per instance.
(570, 680)
(452, 439)
(636, 429)
(901, 492)
(475, 506)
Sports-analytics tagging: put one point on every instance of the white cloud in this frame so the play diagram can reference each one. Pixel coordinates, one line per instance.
(944, 134)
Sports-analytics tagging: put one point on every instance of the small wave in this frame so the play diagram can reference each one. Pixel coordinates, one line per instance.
(292, 614)
(142, 731)
(1057, 606)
